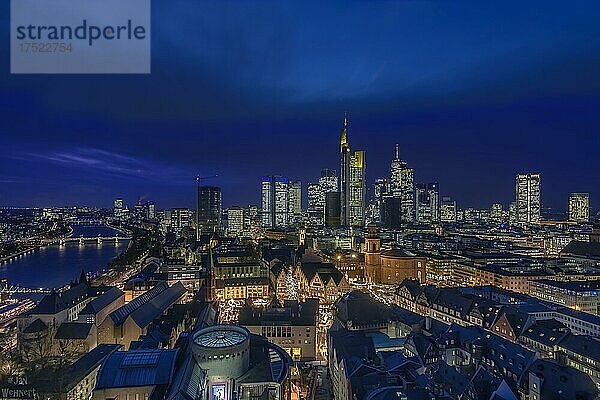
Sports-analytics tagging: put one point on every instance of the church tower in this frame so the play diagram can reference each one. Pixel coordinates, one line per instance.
(372, 255)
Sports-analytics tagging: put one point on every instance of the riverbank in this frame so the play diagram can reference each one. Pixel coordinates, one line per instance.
(11, 257)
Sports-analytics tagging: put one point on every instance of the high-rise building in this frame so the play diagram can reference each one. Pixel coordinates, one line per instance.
(402, 186)
(496, 212)
(209, 208)
(376, 205)
(427, 202)
(528, 198)
(344, 173)
(151, 210)
(235, 221)
(448, 211)
(178, 219)
(352, 181)
(316, 204)
(357, 189)
(294, 202)
(118, 208)
(274, 213)
(332, 209)
(390, 212)
(328, 182)
(579, 207)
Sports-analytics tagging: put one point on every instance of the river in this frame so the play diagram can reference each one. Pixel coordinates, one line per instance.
(55, 265)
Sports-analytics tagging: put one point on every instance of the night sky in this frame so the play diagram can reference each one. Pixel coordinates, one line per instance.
(474, 92)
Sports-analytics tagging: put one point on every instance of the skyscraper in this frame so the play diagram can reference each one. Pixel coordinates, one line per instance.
(294, 202)
(118, 208)
(178, 219)
(379, 190)
(274, 202)
(427, 202)
(402, 186)
(579, 207)
(235, 221)
(352, 181)
(328, 182)
(344, 173)
(209, 208)
(357, 189)
(527, 198)
(332, 209)
(390, 212)
(151, 210)
(316, 204)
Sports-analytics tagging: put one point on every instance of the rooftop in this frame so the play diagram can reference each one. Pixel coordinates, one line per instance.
(137, 368)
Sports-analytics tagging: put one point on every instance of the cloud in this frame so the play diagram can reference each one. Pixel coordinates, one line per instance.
(99, 163)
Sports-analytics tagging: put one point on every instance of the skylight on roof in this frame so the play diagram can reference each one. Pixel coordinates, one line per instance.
(142, 358)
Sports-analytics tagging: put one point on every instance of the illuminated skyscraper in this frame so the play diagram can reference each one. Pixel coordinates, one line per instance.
(379, 190)
(316, 204)
(579, 207)
(427, 202)
(357, 189)
(151, 210)
(235, 221)
(274, 202)
(328, 182)
(448, 212)
(402, 186)
(294, 202)
(528, 198)
(178, 219)
(118, 208)
(344, 174)
(352, 182)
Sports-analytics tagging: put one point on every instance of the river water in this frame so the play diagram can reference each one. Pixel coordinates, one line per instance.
(55, 265)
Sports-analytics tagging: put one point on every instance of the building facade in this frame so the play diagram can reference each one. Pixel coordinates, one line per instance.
(352, 182)
(275, 202)
(579, 207)
(527, 199)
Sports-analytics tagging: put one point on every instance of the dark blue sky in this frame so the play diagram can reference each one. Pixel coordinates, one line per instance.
(474, 93)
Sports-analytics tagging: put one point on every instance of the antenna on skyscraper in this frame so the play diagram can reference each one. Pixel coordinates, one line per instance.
(397, 151)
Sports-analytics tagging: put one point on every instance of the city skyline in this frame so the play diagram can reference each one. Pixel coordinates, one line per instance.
(347, 200)
(500, 95)
(370, 184)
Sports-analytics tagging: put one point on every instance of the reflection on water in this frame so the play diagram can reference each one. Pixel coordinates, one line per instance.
(54, 266)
